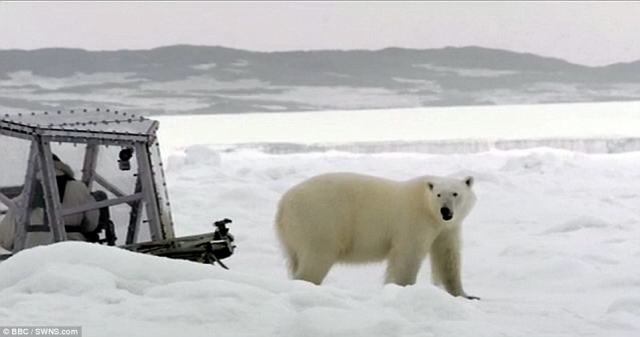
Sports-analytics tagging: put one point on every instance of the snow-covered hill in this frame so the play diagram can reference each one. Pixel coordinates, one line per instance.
(211, 80)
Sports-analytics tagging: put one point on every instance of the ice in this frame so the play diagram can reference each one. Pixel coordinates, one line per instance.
(551, 248)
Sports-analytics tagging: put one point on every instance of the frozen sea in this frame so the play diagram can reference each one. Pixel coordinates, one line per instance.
(552, 246)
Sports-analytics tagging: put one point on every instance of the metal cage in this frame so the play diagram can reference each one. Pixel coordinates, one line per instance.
(95, 130)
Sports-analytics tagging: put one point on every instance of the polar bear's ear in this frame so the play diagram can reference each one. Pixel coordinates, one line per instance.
(468, 181)
(430, 185)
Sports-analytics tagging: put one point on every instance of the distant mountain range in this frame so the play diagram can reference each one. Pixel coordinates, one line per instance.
(206, 80)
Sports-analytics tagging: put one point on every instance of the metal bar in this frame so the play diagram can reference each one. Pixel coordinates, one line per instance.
(50, 188)
(165, 210)
(72, 135)
(100, 204)
(28, 135)
(85, 136)
(86, 139)
(135, 216)
(110, 187)
(23, 214)
(7, 201)
(155, 125)
(90, 162)
(148, 189)
(46, 228)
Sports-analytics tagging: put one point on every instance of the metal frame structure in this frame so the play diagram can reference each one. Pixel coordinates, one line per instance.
(93, 129)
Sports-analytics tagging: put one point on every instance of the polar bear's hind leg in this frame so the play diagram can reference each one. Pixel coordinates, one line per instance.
(313, 267)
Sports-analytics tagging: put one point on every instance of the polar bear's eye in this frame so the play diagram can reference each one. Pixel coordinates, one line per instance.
(455, 194)
(438, 195)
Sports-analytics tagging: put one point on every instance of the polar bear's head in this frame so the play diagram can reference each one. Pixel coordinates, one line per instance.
(450, 199)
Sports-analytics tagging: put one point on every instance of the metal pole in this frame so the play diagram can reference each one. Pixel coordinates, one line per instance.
(135, 216)
(148, 190)
(161, 184)
(7, 201)
(89, 166)
(109, 186)
(23, 203)
(50, 189)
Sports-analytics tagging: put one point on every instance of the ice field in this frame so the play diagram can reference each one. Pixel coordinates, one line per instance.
(552, 246)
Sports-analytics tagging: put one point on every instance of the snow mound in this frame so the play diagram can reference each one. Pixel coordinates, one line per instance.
(626, 304)
(540, 160)
(192, 156)
(623, 313)
(116, 292)
(580, 223)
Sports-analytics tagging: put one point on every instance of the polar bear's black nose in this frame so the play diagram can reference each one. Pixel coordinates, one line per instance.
(446, 213)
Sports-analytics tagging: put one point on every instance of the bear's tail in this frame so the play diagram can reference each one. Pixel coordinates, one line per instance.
(292, 261)
(290, 254)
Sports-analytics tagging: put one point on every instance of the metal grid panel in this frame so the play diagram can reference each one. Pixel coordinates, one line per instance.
(75, 126)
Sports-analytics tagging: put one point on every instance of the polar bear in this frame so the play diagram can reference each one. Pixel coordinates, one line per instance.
(354, 218)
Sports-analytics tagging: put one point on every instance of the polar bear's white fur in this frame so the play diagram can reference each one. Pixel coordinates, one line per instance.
(354, 218)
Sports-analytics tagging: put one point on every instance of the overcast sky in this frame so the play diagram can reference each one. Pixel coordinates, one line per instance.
(590, 33)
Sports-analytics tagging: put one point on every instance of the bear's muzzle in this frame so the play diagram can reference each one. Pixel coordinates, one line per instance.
(446, 213)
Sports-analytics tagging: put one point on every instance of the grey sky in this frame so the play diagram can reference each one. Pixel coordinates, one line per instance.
(591, 33)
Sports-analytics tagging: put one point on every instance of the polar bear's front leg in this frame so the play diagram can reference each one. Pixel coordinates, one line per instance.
(445, 263)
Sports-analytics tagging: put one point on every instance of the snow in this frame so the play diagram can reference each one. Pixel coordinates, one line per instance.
(21, 79)
(477, 124)
(468, 72)
(552, 247)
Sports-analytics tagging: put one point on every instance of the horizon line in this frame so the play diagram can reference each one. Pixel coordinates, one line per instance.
(314, 50)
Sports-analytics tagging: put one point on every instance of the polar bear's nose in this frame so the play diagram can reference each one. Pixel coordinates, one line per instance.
(446, 213)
